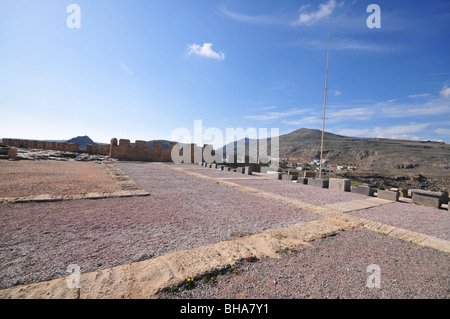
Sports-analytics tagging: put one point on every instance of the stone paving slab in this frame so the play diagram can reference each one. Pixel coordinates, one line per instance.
(357, 204)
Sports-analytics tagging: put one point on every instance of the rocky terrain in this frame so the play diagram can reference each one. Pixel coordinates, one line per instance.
(38, 154)
(386, 162)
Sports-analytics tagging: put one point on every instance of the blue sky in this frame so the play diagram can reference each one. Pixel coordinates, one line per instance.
(140, 69)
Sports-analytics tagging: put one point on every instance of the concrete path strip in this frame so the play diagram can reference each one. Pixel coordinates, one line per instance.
(145, 279)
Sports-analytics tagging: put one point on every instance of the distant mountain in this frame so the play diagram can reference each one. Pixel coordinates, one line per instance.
(367, 152)
(387, 157)
(82, 141)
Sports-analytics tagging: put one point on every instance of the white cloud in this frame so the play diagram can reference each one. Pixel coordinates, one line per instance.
(324, 11)
(205, 51)
(336, 93)
(124, 67)
(445, 92)
(269, 108)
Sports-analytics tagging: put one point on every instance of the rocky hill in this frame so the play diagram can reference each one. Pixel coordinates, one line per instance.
(426, 164)
(82, 141)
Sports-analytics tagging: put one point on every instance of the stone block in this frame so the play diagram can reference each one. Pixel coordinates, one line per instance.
(389, 195)
(340, 184)
(240, 170)
(12, 153)
(318, 182)
(285, 177)
(140, 145)
(429, 198)
(248, 170)
(214, 166)
(90, 149)
(302, 180)
(221, 167)
(124, 143)
(363, 190)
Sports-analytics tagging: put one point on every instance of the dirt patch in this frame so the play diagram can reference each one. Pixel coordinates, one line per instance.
(27, 178)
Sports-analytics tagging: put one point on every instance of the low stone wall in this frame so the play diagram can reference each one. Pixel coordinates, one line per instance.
(55, 146)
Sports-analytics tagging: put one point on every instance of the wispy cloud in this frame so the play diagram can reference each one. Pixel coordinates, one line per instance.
(344, 44)
(305, 121)
(355, 113)
(275, 115)
(205, 50)
(244, 18)
(415, 96)
(269, 108)
(401, 132)
(124, 67)
(443, 131)
(324, 11)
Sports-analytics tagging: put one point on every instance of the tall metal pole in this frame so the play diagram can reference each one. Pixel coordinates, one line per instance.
(324, 106)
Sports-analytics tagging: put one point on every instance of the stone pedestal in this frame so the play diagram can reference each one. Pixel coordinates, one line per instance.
(285, 177)
(363, 190)
(338, 184)
(318, 182)
(389, 195)
(429, 198)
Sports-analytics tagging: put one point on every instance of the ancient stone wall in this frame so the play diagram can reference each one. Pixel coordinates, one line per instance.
(56, 146)
(123, 150)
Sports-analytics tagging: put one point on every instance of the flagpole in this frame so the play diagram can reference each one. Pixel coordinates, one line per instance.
(324, 107)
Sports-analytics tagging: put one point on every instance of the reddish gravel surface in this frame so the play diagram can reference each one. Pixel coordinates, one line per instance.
(425, 220)
(39, 240)
(336, 267)
(309, 194)
(27, 178)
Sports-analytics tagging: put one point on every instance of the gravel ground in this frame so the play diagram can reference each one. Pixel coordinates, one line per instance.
(309, 194)
(335, 267)
(426, 220)
(27, 178)
(39, 240)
